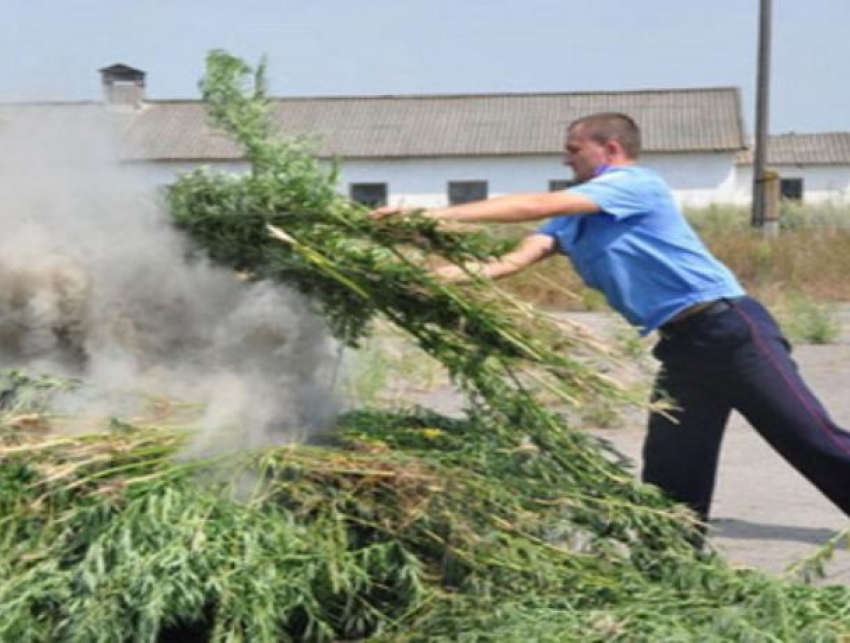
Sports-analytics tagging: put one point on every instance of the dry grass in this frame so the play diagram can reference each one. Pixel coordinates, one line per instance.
(814, 261)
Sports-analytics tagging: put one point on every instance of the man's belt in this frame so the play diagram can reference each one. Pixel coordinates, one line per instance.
(699, 311)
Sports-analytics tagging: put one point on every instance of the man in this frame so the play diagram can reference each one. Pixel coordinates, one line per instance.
(719, 349)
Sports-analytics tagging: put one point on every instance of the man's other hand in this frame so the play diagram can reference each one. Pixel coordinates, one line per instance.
(452, 274)
(390, 211)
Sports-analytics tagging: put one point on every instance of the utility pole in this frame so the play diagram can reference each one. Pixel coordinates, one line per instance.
(762, 115)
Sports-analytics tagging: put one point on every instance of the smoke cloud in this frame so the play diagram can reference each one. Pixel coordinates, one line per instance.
(94, 283)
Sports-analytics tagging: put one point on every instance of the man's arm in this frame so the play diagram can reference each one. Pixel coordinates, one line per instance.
(533, 248)
(506, 209)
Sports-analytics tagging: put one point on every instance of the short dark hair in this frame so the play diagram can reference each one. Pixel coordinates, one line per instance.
(611, 126)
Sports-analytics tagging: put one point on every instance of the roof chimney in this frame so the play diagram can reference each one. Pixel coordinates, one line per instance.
(123, 86)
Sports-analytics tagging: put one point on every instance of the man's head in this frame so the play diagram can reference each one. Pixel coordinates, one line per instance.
(594, 141)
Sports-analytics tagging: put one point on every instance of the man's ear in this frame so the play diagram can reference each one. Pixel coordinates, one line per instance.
(614, 149)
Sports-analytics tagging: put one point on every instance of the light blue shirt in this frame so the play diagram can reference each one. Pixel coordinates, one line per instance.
(639, 250)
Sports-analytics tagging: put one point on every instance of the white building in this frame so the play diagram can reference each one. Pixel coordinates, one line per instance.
(432, 150)
(814, 168)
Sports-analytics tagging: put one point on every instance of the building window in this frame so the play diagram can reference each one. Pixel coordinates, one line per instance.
(791, 189)
(556, 185)
(466, 191)
(373, 195)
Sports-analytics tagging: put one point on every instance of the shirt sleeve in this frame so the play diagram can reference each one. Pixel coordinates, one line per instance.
(552, 227)
(619, 194)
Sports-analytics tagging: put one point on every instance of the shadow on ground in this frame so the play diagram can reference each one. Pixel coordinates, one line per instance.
(737, 529)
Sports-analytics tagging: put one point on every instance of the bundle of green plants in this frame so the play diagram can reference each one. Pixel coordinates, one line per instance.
(501, 525)
(411, 527)
(284, 221)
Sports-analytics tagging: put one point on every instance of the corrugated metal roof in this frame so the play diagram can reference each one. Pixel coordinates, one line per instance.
(453, 125)
(828, 148)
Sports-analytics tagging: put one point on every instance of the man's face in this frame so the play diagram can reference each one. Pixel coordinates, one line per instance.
(584, 155)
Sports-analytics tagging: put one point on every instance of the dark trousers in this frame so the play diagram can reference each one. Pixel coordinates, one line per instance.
(737, 359)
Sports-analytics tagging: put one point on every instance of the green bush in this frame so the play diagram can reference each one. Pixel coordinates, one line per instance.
(805, 321)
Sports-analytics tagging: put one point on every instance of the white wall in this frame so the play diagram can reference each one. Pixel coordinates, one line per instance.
(423, 182)
(696, 179)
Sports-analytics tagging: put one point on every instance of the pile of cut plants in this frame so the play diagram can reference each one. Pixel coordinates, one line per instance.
(503, 524)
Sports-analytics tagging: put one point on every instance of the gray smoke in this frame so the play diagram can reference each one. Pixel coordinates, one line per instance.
(94, 284)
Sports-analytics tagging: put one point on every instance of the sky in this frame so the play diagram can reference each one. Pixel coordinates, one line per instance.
(52, 49)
